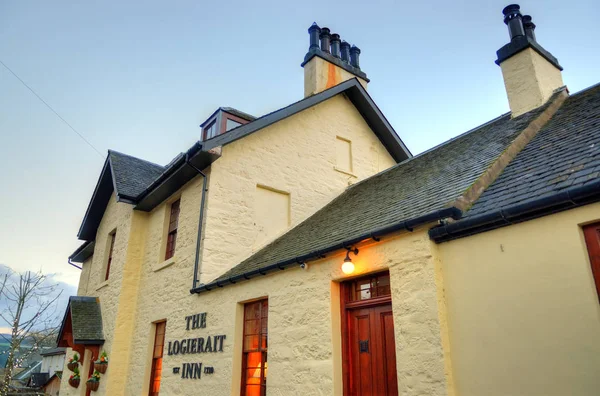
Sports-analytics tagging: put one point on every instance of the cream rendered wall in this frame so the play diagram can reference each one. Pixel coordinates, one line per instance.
(84, 277)
(523, 310)
(304, 333)
(529, 80)
(116, 216)
(296, 155)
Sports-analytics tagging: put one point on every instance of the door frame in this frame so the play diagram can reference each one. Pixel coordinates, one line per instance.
(346, 307)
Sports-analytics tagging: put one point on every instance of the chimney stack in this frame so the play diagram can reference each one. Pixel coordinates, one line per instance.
(513, 19)
(345, 52)
(531, 74)
(529, 27)
(314, 31)
(354, 54)
(325, 36)
(335, 45)
(329, 61)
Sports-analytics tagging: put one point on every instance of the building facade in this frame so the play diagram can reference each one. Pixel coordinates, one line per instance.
(308, 252)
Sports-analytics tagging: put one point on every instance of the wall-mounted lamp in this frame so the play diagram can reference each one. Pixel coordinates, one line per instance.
(348, 265)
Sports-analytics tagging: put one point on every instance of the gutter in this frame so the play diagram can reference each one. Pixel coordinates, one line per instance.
(200, 218)
(171, 168)
(408, 225)
(73, 264)
(558, 202)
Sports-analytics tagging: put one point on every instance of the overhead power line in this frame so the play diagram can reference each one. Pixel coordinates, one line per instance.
(52, 110)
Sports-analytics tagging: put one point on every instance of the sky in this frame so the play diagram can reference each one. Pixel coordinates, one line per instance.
(139, 77)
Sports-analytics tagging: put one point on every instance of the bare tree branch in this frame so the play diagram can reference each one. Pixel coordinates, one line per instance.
(21, 293)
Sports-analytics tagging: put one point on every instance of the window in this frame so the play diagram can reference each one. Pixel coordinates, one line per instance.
(592, 240)
(157, 355)
(110, 253)
(230, 124)
(172, 233)
(254, 358)
(210, 130)
(370, 287)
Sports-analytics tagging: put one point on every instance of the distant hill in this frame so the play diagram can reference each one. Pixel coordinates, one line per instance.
(4, 347)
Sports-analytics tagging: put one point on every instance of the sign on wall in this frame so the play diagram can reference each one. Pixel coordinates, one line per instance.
(195, 345)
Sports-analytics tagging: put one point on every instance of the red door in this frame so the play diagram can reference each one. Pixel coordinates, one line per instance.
(370, 351)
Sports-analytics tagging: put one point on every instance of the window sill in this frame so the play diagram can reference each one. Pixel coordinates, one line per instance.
(102, 285)
(344, 172)
(164, 264)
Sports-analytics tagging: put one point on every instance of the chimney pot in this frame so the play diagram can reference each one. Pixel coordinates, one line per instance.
(354, 56)
(345, 51)
(325, 36)
(512, 18)
(335, 45)
(529, 26)
(314, 30)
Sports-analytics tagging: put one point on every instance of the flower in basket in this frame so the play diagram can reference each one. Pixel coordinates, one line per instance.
(74, 378)
(73, 362)
(103, 359)
(75, 375)
(94, 377)
(102, 363)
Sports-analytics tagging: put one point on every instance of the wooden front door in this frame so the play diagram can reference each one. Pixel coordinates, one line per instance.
(370, 351)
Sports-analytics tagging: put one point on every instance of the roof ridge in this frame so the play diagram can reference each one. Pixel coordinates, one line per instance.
(110, 151)
(279, 109)
(584, 90)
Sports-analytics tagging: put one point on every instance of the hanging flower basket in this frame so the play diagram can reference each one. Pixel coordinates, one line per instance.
(73, 363)
(101, 364)
(93, 385)
(74, 382)
(93, 382)
(100, 367)
(74, 379)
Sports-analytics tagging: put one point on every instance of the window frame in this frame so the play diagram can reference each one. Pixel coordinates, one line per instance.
(205, 130)
(111, 247)
(591, 233)
(172, 229)
(157, 356)
(261, 348)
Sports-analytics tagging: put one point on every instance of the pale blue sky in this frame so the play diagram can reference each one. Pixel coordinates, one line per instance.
(139, 77)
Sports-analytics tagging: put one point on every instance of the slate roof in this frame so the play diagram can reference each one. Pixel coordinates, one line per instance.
(86, 321)
(564, 154)
(132, 175)
(416, 187)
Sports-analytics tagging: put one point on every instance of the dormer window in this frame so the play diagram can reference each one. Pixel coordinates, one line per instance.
(223, 120)
(211, 130)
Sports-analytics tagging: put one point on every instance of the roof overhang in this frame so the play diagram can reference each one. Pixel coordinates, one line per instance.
(566, 199)
(95, 210)
(178, 174)
(83, 252)
(357, 95)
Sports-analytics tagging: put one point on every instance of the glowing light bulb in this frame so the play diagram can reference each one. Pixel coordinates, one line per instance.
(348, 267)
